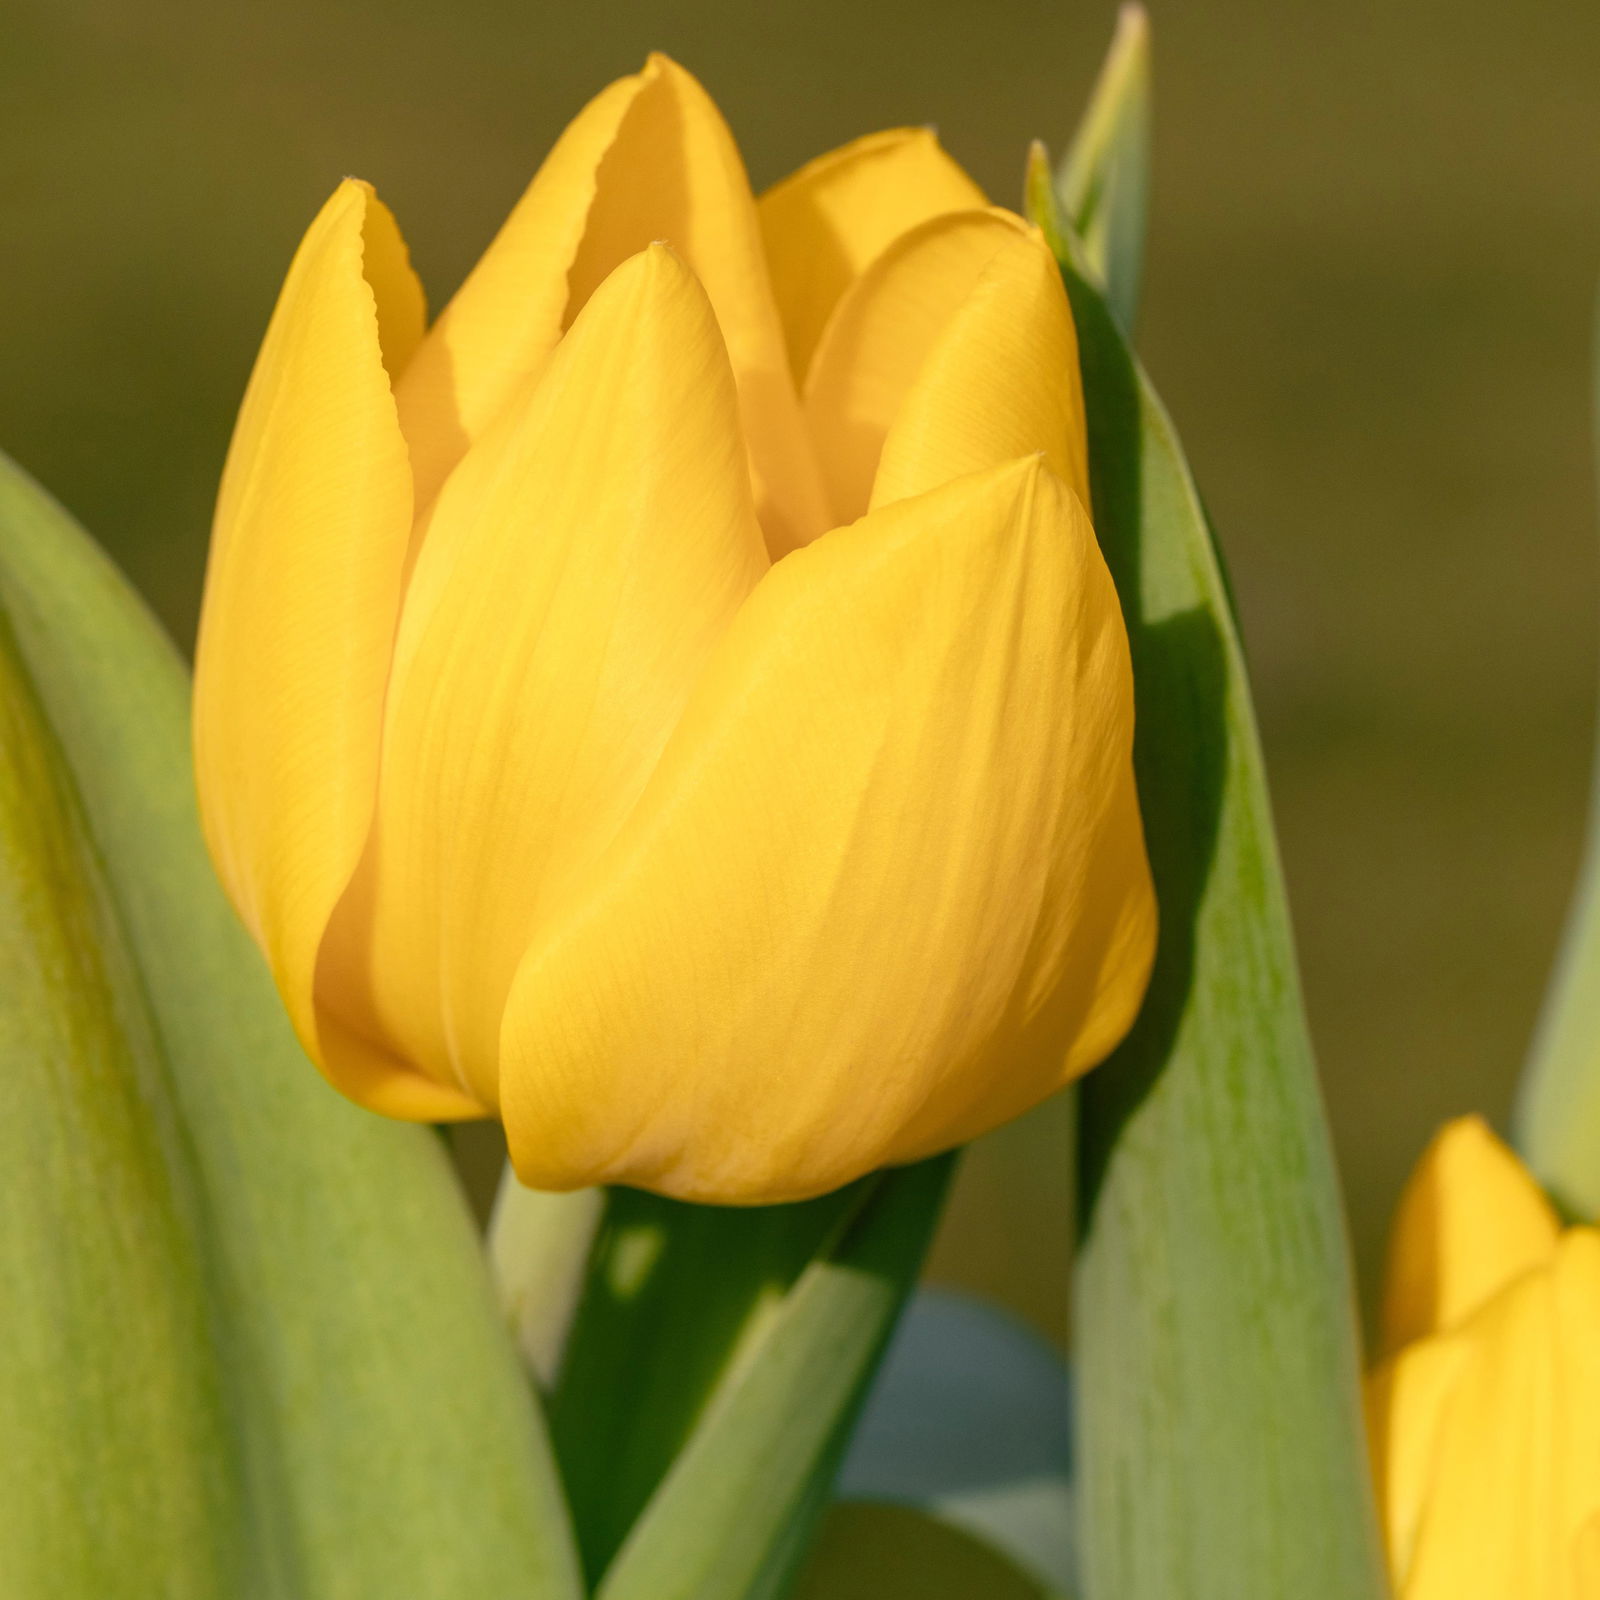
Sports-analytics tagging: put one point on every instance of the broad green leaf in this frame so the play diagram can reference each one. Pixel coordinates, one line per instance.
(1220, 1442)
(970, 1422)
(894, 1552)
(733, 1516)
(118, 1477)
(1558, 1103)
(1104, 182)
(394, 1444)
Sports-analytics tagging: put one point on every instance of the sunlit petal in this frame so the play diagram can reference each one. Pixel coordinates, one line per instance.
(1471, 1219)
(648, 159)
(673, 173)
(1586, 1561)
(1576, 1281)
(887, 886)
(576, 571)
(880, 337)
(825, 224)
(1516, 1471)
(303, 588)
(1001, 381)
(500, 327)
(1407, 1399)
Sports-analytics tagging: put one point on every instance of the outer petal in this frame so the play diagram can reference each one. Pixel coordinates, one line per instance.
(577, 570)
(303, 589)
(886, 888)
(1471, 1219)
(1517, 1471)
(501, 325)
(825, 224)
(956, 347)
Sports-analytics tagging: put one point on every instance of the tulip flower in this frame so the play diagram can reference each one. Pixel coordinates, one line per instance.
(1486, 1412)
(675, 703)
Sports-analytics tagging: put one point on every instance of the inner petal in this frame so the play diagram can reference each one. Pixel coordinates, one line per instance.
(825, 224)
(674, 174)
(879, 337)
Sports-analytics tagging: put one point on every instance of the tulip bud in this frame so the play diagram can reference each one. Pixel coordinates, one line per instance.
(676, 703)
(1486, 1414)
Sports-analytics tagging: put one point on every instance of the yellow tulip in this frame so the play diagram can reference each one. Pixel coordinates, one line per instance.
(676, 703)
(1485, 1413)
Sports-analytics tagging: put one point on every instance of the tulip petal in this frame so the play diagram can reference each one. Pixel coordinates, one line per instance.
(1001, 381)
(887, 886)
(303, 589)
(1576, 1281)
(674, 174)
(1586, 1561)
(1516, 1472)
(1407, 1400)
(577, 569)
(499, 328)
(963, 325)
(648, 159)
(1471, 1219)
(825, 224)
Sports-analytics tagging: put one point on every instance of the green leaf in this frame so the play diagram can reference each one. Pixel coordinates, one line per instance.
(539, 1247)
(1104, 182)
(970, 1422)
(1557, 1124)
(733, 1516)
(117, 1478)
(1221, 1451)
(675, 1295)
(393, 1445)
(893, 1552)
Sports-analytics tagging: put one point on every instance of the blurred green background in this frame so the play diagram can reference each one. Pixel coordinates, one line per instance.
(1375, 240)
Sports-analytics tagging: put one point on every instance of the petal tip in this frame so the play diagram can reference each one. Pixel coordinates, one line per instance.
(1470, 1219)
(1133, 23)
(658, 65)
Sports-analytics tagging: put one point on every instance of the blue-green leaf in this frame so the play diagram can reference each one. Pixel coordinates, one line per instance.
(970, 1422)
